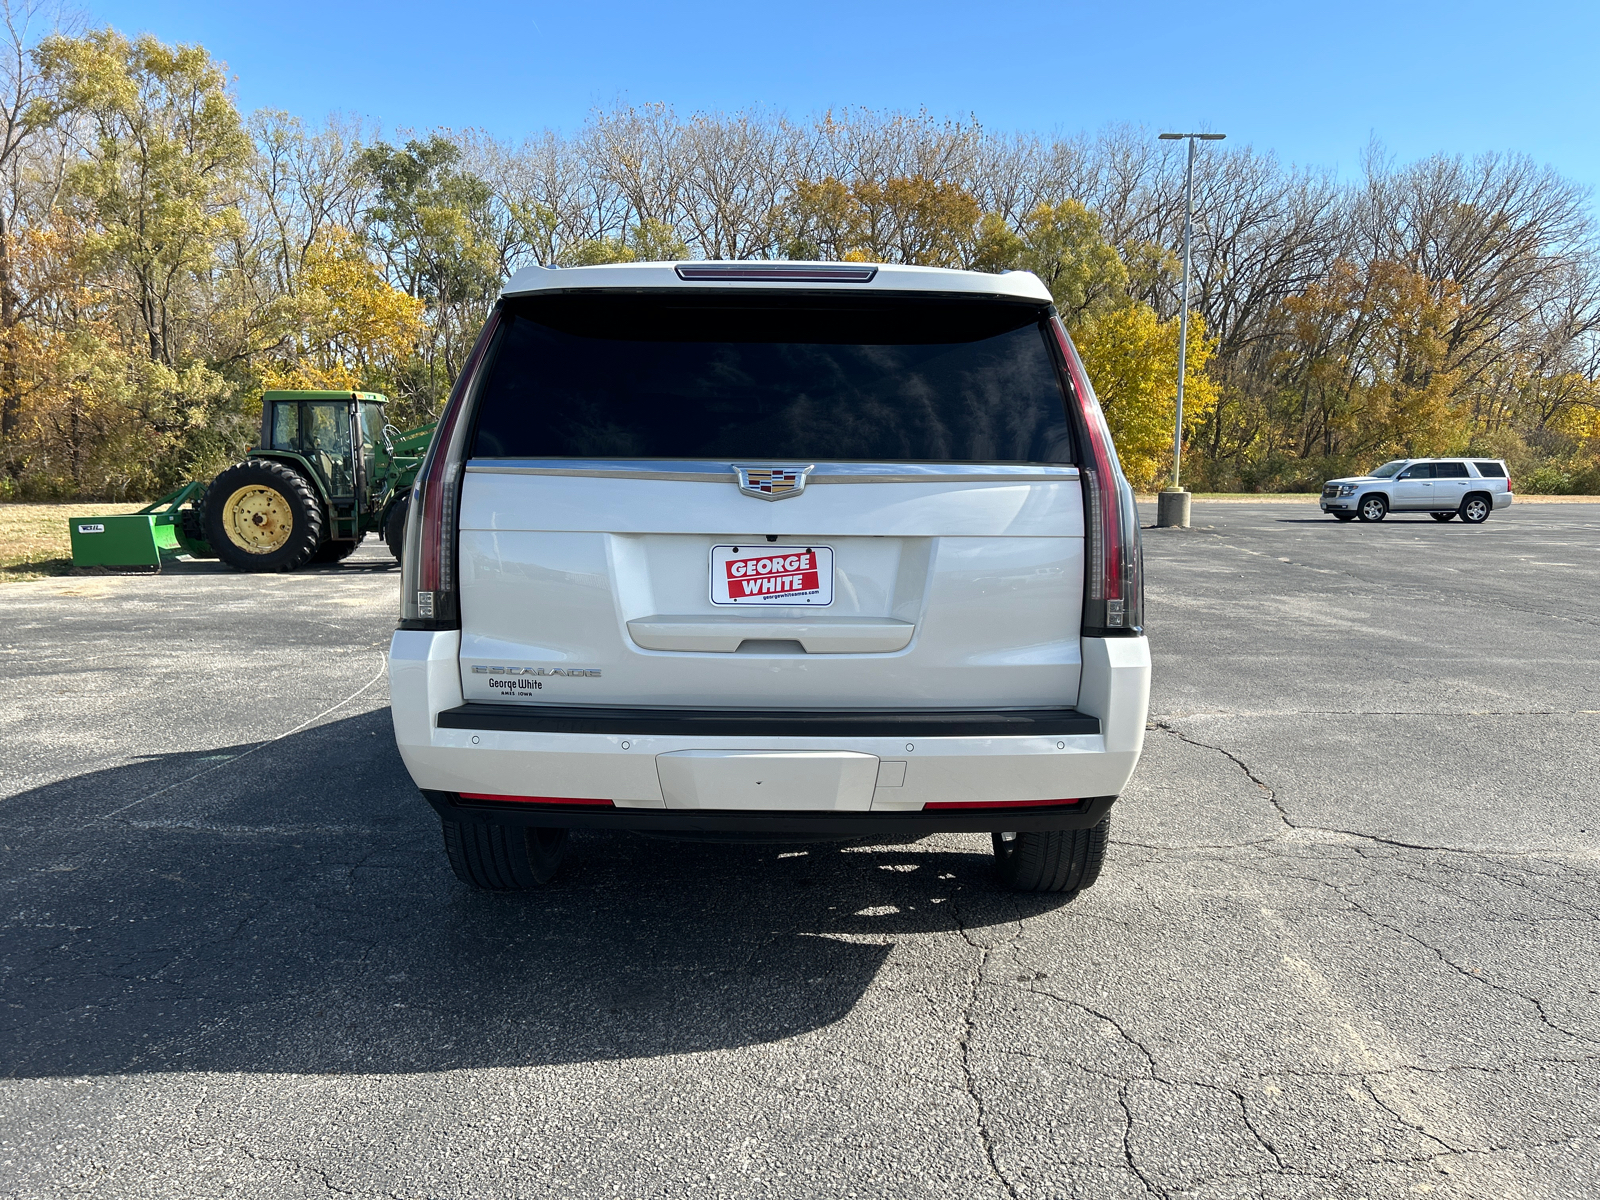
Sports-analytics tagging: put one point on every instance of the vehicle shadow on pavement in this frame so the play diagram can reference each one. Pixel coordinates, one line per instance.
(1391, 519)
(288, 908)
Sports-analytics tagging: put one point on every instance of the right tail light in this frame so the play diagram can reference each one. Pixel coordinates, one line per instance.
(1113, 591)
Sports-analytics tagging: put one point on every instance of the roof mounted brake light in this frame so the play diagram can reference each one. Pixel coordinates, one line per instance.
(770, 272)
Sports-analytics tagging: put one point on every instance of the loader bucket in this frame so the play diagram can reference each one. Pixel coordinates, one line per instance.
(135, 541)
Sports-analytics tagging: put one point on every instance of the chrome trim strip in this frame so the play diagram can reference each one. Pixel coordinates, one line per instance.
(686, 471)
(941, 473)
(692, 472)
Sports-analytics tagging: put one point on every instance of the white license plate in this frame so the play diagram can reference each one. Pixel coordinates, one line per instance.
(769, 574)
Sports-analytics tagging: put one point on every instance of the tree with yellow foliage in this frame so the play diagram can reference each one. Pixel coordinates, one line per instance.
(648, 241)
(1367, 367)
(345, 327)
(160, 187)
(905, 219)
(95, 411)
(1131, 356)
(1062, 244)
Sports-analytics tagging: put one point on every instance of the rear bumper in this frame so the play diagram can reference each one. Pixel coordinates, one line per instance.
(1503, 499)
(766, 724)
(1084, 755)
(776, 825)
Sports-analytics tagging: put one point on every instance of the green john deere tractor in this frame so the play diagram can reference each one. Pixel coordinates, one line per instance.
(327, 472)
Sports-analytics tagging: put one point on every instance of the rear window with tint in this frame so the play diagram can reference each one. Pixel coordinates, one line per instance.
(1449, 470)
(1490, 470)
(758, 377)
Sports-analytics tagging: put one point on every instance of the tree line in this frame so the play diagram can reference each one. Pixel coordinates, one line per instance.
(164, 258)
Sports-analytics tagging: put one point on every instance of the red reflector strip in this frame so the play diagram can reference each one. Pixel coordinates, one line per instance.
(535, 799)
(999, 804)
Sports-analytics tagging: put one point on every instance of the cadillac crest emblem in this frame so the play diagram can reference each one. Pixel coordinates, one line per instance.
(773, 483)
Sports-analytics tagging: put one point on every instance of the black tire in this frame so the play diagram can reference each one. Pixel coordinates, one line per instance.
(1372, 508)
(1475, 509)
(503, 858)
(192, 531)
(1344, 516)
(394, 526)
(1060, 860)
(295, 516)
(334, 552)
(1443, 517)
(192, 521)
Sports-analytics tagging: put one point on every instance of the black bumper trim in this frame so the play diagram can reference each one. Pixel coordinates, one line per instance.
(701, 722)
(772, 825)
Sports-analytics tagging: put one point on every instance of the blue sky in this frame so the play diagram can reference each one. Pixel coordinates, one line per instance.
(1313, 82)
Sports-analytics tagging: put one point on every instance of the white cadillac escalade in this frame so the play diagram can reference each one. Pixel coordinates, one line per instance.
(786, 551)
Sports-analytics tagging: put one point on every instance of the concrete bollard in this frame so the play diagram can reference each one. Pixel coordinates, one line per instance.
(1172, 508)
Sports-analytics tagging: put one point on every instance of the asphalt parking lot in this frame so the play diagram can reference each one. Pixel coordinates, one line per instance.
(1345, 945)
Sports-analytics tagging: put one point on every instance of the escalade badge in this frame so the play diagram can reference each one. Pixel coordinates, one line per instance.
(773, 483)
(568, 672)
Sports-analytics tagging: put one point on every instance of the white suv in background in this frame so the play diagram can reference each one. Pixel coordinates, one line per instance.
(786, 551)
(1470, 488)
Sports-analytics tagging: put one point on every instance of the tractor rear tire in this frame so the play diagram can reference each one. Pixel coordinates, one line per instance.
(394, 527)
(263, 516)
(335, 552)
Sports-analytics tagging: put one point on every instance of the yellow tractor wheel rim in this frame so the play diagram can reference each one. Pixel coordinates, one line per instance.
(258, 519)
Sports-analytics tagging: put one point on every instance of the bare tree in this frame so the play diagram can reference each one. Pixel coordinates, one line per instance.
(304, 181)
(24, 111)
(739, 168)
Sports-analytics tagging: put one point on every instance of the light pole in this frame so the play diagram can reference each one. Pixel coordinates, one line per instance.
(1172, 505)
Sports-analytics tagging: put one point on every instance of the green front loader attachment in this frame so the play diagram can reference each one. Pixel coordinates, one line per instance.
(137, 541)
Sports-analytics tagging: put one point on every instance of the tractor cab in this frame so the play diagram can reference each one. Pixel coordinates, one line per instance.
(337, 437)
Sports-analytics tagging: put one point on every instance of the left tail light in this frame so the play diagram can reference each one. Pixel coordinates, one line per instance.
(429, 594)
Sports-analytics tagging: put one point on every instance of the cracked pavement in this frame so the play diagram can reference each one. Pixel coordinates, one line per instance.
(1344, 945)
